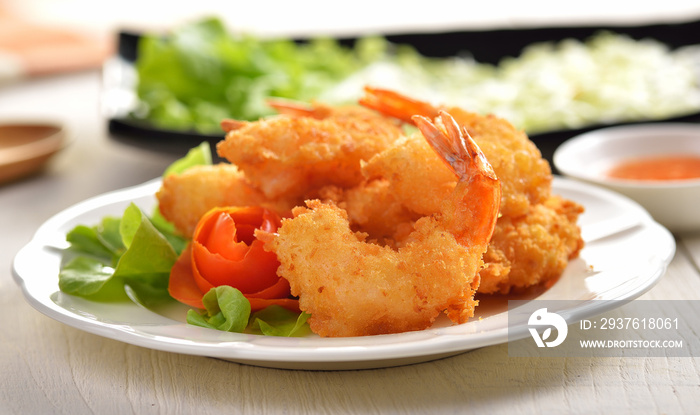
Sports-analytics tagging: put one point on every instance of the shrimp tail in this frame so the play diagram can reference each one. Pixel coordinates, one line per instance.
(396, 105)
(229, 125)
(298, 109)
(471, 223)
(454, 146)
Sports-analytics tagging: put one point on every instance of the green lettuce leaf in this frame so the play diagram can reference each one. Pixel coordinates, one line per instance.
(101, 241)
(122, 251)
(148, 251)
(84, 275)
(145, 265)
(133, 252)
(130, 258)
(278, 321)
(226, 309)
(201, 73)
(197, 156)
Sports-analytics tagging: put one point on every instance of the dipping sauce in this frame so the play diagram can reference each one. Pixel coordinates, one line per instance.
(671, 167)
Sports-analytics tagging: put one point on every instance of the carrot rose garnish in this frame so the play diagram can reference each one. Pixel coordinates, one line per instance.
(225, 252)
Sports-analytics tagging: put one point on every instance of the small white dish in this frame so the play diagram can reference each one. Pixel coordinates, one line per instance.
(673, 203)
(626, 253)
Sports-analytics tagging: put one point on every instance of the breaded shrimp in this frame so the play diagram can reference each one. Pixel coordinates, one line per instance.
(353, 288)
(184, 198)
(292, 156)
(535, 236)
(416, 175)
(533, 248)
(525, 176)
(373, 210)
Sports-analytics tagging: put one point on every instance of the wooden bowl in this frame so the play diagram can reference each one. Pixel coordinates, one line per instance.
(25, 147)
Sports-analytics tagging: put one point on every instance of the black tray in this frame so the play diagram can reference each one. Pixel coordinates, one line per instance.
(488, 46)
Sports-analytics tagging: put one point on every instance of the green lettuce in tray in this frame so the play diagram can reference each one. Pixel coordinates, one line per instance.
(201, 73)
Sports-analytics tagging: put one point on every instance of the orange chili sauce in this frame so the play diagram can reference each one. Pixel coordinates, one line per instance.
(670, 167)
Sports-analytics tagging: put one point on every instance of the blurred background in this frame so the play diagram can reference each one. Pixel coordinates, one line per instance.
(307, 16)
(45, 37)
(30, 28)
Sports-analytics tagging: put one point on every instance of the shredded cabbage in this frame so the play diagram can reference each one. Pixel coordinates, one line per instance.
(551, 86)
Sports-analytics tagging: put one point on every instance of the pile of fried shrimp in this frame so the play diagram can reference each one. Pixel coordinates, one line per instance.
(395, 210)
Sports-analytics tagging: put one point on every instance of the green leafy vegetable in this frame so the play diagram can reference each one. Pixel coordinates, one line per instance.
(278, 321)
(102, 241)
(197, 156)
(131, 258)
(200, 74)
(84, 276)
(149, 255)
(227, 309)
(129, 251)
(132, 252)
(568, 84)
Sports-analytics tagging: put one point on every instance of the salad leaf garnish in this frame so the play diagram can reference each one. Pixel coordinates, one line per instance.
(148, 252)
(102, 241)
(130, 250)
(197, 156)
(130, 258)
(276, 320)
(227, 309)
(133, 253)
(84, 276)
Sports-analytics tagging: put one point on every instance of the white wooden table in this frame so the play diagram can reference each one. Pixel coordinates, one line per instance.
(49, 368)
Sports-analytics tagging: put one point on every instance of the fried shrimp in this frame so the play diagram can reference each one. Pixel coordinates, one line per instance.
(373, 210)
(417, 177)
(537, 233)
(533, 248)
(386, 230)
(525, 176)
(184, 198)
(294, 154)
(352, 287)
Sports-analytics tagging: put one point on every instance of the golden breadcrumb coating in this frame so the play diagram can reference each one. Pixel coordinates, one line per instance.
(290, 156)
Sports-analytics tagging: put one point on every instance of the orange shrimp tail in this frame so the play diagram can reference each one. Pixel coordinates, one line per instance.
(470, 223)
(455, 146)
(298, 109)
(396, 105)
(230, 125)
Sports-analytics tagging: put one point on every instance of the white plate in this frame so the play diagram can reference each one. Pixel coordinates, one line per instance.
(625, 255)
